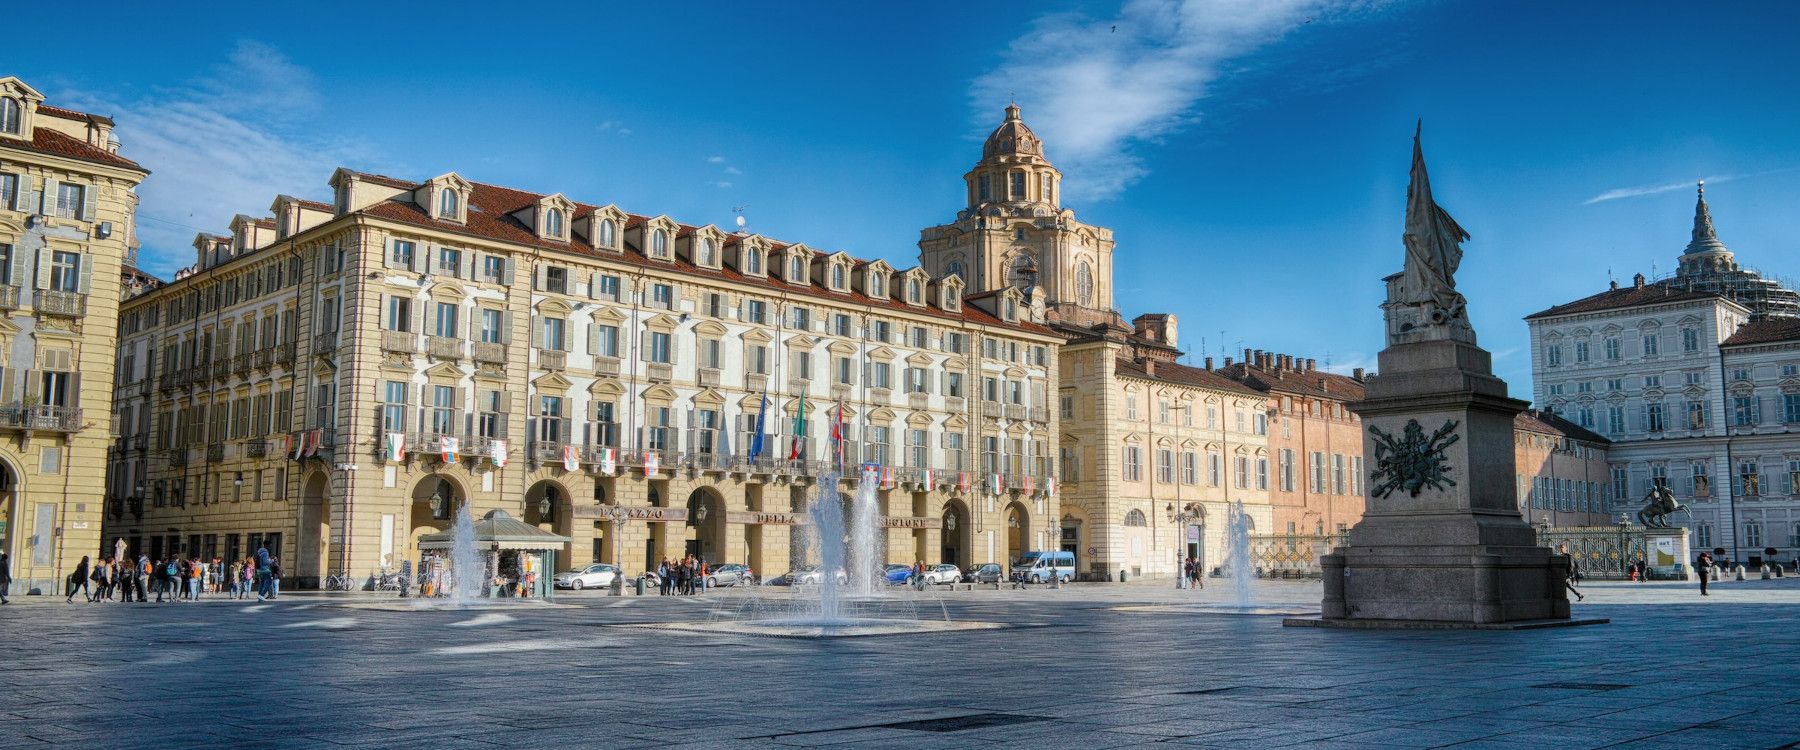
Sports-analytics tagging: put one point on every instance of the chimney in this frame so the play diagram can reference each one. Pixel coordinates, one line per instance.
(1637, 282)
(1209, 363)
(1227, 361)
(1249, 358)
(1357, 374)
(1615, 285)
(1150, 367)
(1287, 361)
(1311, 364)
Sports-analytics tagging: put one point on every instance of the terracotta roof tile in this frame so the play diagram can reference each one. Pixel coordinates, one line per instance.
(45, 140)
(1312, 383)
(1178, 374)
(69, 114)
(489, 217)
(1630, 296)
(1765, 331)
(1535, 420)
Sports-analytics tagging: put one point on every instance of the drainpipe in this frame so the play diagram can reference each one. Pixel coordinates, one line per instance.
(1730, 494)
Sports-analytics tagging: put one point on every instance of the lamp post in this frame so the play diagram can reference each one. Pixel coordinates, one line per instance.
(1181, 519)
(617, 515)
(349, 473)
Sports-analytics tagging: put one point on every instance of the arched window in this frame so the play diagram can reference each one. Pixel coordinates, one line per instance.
(954, 269)
(753, 261)
(796, 270)
(1084, 286)
(9, 115)
(1044, 192)
(877, 287)
(553, 222)
(609, 233)
(659, 243)
(707, 252)
(1135, 518)
(1012, 310)
(912, 291)
(447, 204)
(837, 276)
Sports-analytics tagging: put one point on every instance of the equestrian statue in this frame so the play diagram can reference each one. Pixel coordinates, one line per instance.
(1659, 504)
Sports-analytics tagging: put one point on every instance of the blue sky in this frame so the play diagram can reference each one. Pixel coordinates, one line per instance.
(1250, 155)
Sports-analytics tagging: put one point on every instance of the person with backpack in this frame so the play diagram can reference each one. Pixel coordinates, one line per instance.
(262, 573)
(274, 578)
(100, 579)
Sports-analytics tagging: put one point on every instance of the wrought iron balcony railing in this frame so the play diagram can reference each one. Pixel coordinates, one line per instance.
(53, 302)
(45, 418)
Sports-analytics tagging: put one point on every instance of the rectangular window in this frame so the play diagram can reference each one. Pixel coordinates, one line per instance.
(915, 379)
(878, 445)
(840, 325)
(918, 337)
(9, 189)
(954, 445)
(1790, 407)
(1133, 464)
(609, 288)
(955, 343)
(1581, 352)
(842, 371)
(1165, 465)
(663, 296)
(1653, 416)
(1746, 411)
(393, 410)
(400, 254)
(706, 431)
(555, 336)
(658, 432)
(715, 305)
(1190, 468)
(1318, 472)
(449, 261)
(1690, 340)
(915, 448)
(1612, 349)
(493, 268)
(758, 357)
(660, 347)
(606, 427)
(69, 198)
(1215, 469)
(556, 279)
(799, 318)
(399, 314)
(445, 320)
(65, 271)
(756, 311)
(709, 353)
(803, 365)
(493, 326)
(491, 419)
(879, 330)
(1650, 344)
(443, 411)
(1337, 473)
(606, 341)
(953, 384)
(1286, 470)
(549, 419)
(1242, 480)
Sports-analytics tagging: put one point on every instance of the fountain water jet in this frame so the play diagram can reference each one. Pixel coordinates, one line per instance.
(1237, 531)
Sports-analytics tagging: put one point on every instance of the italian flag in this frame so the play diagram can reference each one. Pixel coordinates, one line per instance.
(396, 446)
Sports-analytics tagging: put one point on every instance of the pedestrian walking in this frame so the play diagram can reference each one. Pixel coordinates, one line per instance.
(100, 579)
(1571, 572)
(5, 577)
(143, 578)
(198, 578)
(1704, 565)
(262, 573)
(274, 578)
(78, 581)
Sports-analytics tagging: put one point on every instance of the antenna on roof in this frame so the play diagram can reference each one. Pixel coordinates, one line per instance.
(739, 210)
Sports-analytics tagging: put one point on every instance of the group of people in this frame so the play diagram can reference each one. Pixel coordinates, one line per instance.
(1193, 573)
(684, 577)
(172, 579)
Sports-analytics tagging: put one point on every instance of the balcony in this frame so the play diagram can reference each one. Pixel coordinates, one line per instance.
(178, 457)
(552, 359)
(756, 382)
(9, 297)
(659, 372)
(256, 448)
(490, 353)
(1015, 412)
(285, 354)
(221, 368)
(325, 343)
(546, 452)
(606, 367)
(880, 396)
(399, 341)
(241, 364)
(954, 403)
(798, 385)
(45, 418)
(215, 452)
(990, 409)
(709, 377)
(263, 359)
(444, 347)
(1040, 415)
(51, 302)
(918, 400)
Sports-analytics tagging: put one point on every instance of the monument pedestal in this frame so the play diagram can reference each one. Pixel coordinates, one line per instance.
(1442, 543)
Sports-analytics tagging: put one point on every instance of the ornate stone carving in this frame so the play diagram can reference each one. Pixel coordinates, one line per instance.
(1412, 461)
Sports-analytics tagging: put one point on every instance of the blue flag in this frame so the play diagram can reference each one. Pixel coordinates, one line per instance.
(756, 440)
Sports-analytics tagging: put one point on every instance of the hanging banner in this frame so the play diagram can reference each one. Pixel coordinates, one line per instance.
(995, 484)
(1029, 485)
(497, 453)
(650, 458)
(571, 458)
(929, 478)
(608, 461)
(447, 447)
(962, 482)
(396, 446)
(289, 447)
(1050, 486)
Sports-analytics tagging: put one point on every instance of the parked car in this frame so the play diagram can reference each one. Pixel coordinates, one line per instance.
(941, 574)
(1043, 567)
(897, 574)
(986, 573)
(810, 575)
(729, 574)
(598, 575)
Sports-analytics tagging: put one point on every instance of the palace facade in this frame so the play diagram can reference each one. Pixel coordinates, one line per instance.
(67, 218)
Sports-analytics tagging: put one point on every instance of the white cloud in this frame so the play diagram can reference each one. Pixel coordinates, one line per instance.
(722, 184)
(733, 170)
(222, 144)
(715, 160)
(1641, 190)
(1096, 89)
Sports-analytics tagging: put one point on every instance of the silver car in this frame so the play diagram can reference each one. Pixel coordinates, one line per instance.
(729, 574)
(941, 574)
(596, 576)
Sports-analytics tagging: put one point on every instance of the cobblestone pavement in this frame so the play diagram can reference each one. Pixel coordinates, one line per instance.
(315, 670)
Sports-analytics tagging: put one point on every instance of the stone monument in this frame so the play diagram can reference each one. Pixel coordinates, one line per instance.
(1441, 543)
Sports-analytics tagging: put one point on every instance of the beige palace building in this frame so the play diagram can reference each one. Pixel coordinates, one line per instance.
(67, 211)
(337, 379)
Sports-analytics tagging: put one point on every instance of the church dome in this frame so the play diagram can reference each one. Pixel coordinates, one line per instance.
(1012, 137)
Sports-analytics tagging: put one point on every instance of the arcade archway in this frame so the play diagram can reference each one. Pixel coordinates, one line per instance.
(705, 525)
(955, 543)
(1018, 532)
(313, 551)
(436, 501)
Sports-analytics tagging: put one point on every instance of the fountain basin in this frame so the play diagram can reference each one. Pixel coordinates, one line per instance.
(802, 627)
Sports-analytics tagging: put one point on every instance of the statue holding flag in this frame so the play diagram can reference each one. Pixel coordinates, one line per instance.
(1422, 299)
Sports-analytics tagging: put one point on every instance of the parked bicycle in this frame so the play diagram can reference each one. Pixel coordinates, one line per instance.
(342, 582)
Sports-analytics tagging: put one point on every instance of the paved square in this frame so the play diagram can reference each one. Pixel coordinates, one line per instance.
(1088, 666)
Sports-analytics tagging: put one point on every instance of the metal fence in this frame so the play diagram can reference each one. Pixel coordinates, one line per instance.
(1291, 555)
(1606, 552)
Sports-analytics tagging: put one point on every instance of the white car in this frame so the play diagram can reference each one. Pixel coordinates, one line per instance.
(939, 574)
(598, 575)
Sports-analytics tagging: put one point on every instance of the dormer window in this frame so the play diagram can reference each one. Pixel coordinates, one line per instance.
(553, 222)
(709, 252)
(912, 292)
(609, 233)
(448, 204)
(1011, 308)
(752, 262)
(10, 114)
(796, 270)
(837, 277)
(877, 286)
(659, 243)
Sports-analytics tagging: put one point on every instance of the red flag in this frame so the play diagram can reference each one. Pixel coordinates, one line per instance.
(837, 434)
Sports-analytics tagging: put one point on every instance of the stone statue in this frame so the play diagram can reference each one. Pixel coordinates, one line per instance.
(1660, 503)
(1433, 252)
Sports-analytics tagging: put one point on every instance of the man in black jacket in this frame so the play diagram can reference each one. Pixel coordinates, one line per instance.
(1572, 572)
(5, 576)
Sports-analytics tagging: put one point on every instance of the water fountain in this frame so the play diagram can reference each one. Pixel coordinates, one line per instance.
(1237, 531)
(464, 582)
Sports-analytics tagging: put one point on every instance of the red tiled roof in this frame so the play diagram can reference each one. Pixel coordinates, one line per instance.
(1170, 372)
(45, 140)
(1630, 296)
(1310, 383)
(69, 114)
(1535, 420)
(489, 217)
(1765, 331)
